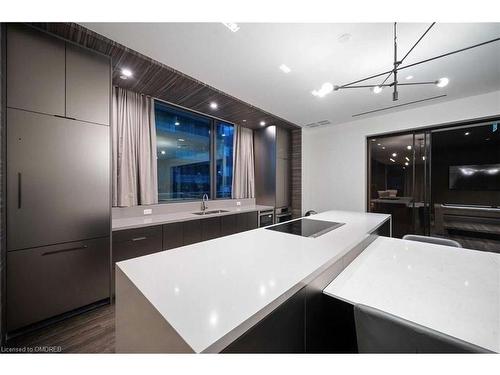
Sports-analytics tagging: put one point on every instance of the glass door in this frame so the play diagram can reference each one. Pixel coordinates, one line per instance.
(392, 183)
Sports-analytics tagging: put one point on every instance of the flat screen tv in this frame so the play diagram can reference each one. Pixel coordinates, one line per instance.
(474, 177)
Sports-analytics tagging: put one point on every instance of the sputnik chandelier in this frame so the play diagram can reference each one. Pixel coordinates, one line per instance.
(397, 66)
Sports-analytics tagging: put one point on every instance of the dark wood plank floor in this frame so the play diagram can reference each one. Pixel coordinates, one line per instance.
(90, 332)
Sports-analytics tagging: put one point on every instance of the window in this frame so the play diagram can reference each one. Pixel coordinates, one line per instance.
(224, 159)
(194, 153)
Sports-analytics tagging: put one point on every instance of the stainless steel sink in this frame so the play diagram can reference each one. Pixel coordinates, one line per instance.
(212, 212)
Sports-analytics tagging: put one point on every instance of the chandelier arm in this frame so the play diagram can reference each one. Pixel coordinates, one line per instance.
(386, 78)
(450, 53)
(365, 86)
(418, 41)
(420, 62)
(417, 83)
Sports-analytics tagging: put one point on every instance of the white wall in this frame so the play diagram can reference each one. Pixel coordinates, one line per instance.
(334, 157)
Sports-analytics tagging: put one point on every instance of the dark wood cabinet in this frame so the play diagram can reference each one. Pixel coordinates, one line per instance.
(173, 235)
(191, 232)
(210, 228)
(35, 71)
(246, 221)
(228, 225)
(47, 281)
(88, 85)
(134, 243)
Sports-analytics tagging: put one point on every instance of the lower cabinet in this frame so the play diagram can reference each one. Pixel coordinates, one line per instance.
(173, 235)
(191, 232)
(231, 224)
(47, 281)
(133, 243)
(210, 228)
(247, 221)
(228, 225)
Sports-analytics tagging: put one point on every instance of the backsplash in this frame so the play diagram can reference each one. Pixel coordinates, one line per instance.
(168, 208)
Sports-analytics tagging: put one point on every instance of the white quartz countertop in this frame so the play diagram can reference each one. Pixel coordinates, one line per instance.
(148, 220)
(453, 291)
(211, 291)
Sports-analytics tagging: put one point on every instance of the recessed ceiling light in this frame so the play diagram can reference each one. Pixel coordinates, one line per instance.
(285, 69)
(378, 144)
(406, 157)
(213, 105)
(383, 148)
(231, 26)
(391, 159)
(442, 82)
(344, 38)
(163, 152)
(406, 163)
(377, 90)
(325, 89)
(409, 77)
(181, 140)
(126, 73)
(177, 123)
(408, 147)
(394, 154)
(467, 133)
(373, 140)
(262, 123)
(244, 120)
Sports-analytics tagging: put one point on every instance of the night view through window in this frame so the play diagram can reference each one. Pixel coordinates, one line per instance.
(183, 142)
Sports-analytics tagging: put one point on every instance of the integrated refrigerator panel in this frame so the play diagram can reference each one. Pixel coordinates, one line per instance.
(58, 180)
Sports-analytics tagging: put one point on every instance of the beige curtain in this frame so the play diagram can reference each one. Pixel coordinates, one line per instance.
(243, 164)
(134, 149)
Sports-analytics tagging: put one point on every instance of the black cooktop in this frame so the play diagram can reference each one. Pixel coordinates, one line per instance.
(306, 227)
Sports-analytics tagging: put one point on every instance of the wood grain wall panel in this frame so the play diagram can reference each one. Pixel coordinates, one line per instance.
(163, 82)
(297, 173)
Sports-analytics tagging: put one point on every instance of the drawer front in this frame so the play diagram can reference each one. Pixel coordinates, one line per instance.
(47, 281)
(133, 243)
(135, 234)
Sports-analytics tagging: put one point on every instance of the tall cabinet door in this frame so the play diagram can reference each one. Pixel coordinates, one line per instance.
(57, 180)
(35, 71)
(88, 85)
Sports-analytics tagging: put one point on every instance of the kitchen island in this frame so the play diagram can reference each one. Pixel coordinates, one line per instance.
(451, 291)
(223, 294)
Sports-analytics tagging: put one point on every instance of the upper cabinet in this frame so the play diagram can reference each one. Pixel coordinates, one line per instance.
(47, 75)
(35, 71)
(88, 85)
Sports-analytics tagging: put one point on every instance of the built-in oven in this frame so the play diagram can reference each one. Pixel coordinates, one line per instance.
(283, 214)
(266, 218)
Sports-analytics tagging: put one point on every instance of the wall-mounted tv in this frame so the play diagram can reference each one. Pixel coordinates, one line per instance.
(474, 177)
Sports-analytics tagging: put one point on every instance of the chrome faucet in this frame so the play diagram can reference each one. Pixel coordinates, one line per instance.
(204, 202)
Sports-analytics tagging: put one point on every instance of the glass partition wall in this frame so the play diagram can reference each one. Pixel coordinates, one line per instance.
(442, 182)
(397, 181)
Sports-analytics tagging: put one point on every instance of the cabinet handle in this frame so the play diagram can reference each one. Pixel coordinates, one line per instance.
(19, 190)
(65, 250)
(139, 238)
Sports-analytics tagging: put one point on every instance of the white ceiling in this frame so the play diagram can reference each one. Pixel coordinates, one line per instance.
(245, 64)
